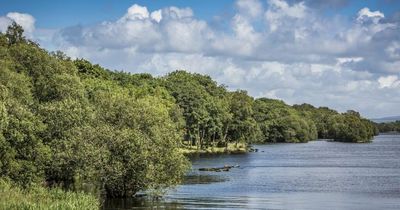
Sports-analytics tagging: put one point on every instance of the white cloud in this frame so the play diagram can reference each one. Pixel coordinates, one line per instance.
(27, 21)
(156, 15)
(275, 49)
(349, 60)
(250, 8)
(135, 12)
(164, 30)
(177, 13)
(390, 81)
(4, 23)
(279, 10)
(365, 14)
(246, 38)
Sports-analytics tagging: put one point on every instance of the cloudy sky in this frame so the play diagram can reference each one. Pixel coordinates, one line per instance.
(338, 53)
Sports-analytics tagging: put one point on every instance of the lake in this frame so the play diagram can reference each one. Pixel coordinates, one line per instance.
(314, 175)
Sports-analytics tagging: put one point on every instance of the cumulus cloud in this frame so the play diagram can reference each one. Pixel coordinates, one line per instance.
(275, 48)
(250, 8)
(135, 12)
(156, 15)
(27, 21)
(280, 10)
(365, 14)
(390, 81)
(168, 29)
(293, 33)
(177, 13)
(4, 23)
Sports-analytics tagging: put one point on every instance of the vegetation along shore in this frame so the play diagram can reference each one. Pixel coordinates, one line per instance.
(66, 124)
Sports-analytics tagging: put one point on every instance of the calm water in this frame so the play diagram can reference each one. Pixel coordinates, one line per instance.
(314, 175)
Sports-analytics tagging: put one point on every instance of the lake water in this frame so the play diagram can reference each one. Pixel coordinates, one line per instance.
(314, 175)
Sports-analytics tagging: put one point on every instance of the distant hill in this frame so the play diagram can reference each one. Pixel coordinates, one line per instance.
(386, 119)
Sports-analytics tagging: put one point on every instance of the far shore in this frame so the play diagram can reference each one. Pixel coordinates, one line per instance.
(231, 148)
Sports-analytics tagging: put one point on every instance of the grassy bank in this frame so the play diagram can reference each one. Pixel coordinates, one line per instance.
(231, 148)
(35, 198)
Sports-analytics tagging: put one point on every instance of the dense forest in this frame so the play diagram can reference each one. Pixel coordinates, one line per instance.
(68, 123)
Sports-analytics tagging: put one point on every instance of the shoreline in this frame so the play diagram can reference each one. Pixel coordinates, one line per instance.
(232, 148)
(242, 148)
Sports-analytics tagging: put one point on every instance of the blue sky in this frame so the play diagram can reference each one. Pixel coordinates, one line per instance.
(57, 14)
(344, 54)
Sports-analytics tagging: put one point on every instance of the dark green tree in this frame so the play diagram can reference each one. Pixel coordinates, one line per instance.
(14, 34)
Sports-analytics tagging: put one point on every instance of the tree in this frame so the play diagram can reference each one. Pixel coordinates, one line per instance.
(279, 122)
(204, 106)
(14, 34)
(68, 122)
(138, 137)
(243, 126)
(22, 153)
(388, 127)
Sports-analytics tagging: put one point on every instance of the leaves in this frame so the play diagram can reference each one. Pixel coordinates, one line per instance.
(67, 122)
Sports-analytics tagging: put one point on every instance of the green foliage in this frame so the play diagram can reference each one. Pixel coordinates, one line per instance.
(88, 70)
(279, 122)
(320, 116)
(350, 127)
(68, 123)
(243, 127)
(63, 118)
(22, 153)
(14, 34)
(388, 127)
(205, 107)
(347, 127)
(13, 197)
(139, 139)
(72, 123)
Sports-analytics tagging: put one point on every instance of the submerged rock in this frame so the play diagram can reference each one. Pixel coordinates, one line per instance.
(253, 150)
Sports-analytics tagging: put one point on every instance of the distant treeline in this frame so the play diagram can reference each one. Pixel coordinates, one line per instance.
(67, 122)
(387, 127)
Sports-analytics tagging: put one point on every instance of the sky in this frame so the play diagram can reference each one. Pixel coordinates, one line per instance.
(344, 54)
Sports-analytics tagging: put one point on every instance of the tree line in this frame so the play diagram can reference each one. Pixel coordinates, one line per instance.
(67, 122)
(387, 127)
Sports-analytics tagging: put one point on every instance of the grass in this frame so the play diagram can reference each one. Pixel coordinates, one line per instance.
(41, 198)
(231, 148)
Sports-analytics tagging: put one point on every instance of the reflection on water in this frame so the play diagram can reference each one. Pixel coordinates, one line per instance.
(202, 179)
(140, 203)
(316, 175)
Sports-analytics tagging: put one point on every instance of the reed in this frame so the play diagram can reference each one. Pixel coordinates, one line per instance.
(41, 198)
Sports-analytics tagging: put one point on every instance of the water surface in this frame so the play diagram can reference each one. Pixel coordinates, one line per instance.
(314, 175)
